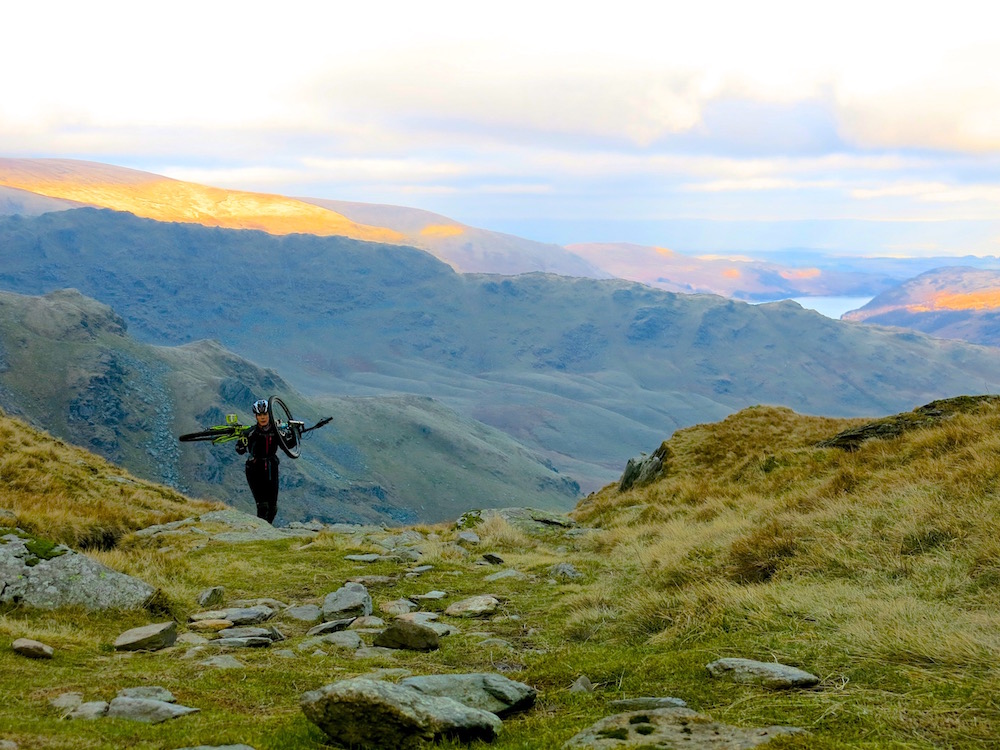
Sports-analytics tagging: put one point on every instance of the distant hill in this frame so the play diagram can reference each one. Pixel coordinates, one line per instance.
(468, 249)
(743, 279)
(68, 365)
(587, 372)
(953, 303)
(154, 197)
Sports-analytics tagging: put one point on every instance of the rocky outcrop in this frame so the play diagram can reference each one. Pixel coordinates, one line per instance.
(644, 469)
(37, 573)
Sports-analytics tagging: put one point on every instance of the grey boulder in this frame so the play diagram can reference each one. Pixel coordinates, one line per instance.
(771, 675)
(489, 692)
(373, 714)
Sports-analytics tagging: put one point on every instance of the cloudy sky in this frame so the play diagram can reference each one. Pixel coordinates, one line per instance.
(861, 127)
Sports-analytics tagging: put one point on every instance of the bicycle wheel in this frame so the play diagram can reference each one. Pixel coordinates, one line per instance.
(289, 437)
(207, 435)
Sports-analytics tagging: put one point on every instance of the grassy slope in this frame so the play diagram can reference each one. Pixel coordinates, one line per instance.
(875, 569)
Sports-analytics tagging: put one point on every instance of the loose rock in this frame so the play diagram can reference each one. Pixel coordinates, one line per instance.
(404, 634)
(350, 600)
(148, 637)
(476, 606)
(771, 675)
(373, 714)
(489, 692)
(32, 649)
(212, 597)
(146, 710)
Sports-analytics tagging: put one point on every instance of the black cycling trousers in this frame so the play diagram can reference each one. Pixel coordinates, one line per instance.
(262, 476)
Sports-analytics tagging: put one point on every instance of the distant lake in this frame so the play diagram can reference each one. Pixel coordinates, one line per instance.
(832, 307)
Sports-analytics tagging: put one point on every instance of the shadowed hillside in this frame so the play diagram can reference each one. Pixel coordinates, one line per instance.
(68, 365)
(587, 372)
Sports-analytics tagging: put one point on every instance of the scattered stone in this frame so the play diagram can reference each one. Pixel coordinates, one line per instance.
(422, 617)
(469, 537)
(270, 633)
(671, 727)
(212, 624)
(148, 637)
(40, 574)
(646, 704)
(32, 649)
(493, 559)
(770, 675)
(375, 714)
(565, 571)
(489, 692)
(347, 639)
(582, 685)
(263, 601)
(146, 710)
(430, 595)
(191, 639)
(351, 599)
(218, 747)
(412, 636)
(496, 643)
(150, 692)
(367, 558)
(305, 613)
(475, 606)
(397, 607)
(212, 597)
(286, 653)
(505, 574)
(331, 626)
(248, 615)
(224, 661)
(242, 642)
(367, 623)
(90, 710)
(419, 569)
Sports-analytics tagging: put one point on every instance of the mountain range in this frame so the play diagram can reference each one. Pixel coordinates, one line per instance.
(582, 372)
(68, 364)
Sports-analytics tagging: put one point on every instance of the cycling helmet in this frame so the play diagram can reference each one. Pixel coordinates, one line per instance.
(260, 406)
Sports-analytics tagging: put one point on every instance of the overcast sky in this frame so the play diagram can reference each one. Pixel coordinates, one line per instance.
(827, 125)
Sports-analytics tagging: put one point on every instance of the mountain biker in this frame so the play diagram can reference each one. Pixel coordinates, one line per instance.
(261, 442)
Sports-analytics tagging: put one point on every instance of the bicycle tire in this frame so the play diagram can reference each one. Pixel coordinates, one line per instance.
(207, 435)
(280, 413)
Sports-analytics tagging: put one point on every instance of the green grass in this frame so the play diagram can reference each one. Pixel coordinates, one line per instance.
(874, 569)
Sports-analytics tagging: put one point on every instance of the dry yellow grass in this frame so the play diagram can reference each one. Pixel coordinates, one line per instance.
(68, 495)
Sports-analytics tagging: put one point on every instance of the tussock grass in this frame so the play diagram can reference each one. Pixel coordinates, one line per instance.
(65, 494)
(875, 568)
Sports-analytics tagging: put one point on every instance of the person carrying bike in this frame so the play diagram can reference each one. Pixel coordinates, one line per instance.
(261, 443)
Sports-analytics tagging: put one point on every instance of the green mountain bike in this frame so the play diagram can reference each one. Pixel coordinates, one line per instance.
(290, 430)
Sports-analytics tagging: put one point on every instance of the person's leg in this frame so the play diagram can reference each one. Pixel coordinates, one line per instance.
(259, 490)
(272, 495)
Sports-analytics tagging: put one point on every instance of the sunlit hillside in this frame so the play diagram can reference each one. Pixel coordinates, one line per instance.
(71, 496)
(154, 197)
(956, 303)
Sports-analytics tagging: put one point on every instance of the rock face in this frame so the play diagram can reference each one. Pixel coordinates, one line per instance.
(489, 692)
(47, 576)
(372, 714)
(768, 674)
(671, 727)
(643, 470)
